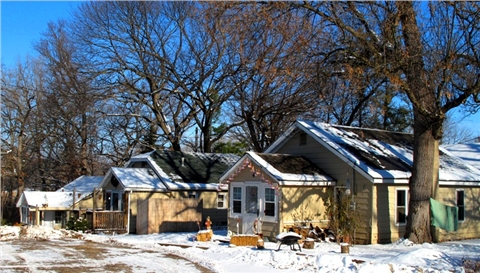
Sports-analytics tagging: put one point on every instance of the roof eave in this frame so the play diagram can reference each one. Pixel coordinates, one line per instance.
(297, 183)
(459, 183)
(145, 190)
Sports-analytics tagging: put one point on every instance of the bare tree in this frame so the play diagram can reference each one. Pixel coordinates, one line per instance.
(432, 59)
(273, 84)
(21, 133)
(454, 133)
(71, 102)
(138, 45)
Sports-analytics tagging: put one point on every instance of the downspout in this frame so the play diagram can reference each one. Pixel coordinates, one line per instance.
(128, 213)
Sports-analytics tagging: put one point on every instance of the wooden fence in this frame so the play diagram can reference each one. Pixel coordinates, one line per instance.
(110, 221)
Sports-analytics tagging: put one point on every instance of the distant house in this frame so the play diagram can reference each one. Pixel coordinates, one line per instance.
(54, 208)
(46, 208)
(288, 183)
(148, 180)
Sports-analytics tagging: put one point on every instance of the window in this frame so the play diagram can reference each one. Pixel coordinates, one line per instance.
(221, 197)
(269, 202)
(401, 207)
(114, 201)
(192, 195)
(58, 217)
(303, 139)
(461, 204)
(25, 215)
(237, 200)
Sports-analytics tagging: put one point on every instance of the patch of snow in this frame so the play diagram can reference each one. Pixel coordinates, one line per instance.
(401, 256)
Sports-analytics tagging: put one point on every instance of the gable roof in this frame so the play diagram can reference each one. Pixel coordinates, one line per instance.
(185, 167)
(55, 200)
(170, 170)
(286, 169)
(381, 156)
(135, 179)
(84, 183)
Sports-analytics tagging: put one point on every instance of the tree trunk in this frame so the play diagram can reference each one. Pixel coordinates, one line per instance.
(428, 120)
(421, 183)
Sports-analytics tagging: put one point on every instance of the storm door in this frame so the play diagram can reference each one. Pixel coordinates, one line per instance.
(251, 209)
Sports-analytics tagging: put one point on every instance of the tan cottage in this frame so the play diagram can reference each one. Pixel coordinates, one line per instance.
(54, 209)
(164, 191)
(291, 181)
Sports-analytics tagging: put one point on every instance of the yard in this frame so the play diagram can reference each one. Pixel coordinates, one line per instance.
(76, 256)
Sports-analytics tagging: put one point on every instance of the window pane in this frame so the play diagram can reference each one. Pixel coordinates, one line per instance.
(220, 200)
(251, 199)
(401, 216)
(108, 200)
(237, 206)
(237, 193)
(401, 198)
(461, 205)
(115, 199)
(269, 209)
(270, 195)
(460, 198)
(58, 217)
(461, 213)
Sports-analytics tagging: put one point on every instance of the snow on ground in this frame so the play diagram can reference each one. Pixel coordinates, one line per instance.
(402, 256)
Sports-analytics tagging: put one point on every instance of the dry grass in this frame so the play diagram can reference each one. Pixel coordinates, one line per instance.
(471, 266)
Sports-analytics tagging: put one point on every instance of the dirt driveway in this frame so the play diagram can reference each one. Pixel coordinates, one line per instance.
(72, 256)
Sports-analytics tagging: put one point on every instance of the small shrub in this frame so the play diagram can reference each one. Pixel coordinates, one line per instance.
(77, 224)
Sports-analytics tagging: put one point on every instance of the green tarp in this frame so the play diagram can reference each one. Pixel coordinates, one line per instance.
(443, 216)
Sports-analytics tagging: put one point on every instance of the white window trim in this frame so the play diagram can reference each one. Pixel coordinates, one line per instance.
(275, 202)
(456, 203)
(121, 205)
(224, 194)
(406, 206)
(261, 188)
(242, 200)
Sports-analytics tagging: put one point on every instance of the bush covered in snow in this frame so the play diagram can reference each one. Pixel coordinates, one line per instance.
(36, 232)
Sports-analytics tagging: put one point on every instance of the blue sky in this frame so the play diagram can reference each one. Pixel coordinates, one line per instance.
(23, 22)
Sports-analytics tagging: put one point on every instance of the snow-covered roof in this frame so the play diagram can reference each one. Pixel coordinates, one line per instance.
(187, 170)
(286, 169)
(191, 168)
(469, 153)
(54, 199)
(137, 179)
(84, 183)
(381, 155)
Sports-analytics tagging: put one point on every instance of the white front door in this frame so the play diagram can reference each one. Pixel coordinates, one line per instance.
(251, 209)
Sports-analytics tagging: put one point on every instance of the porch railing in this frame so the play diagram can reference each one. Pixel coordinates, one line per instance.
(109, 221)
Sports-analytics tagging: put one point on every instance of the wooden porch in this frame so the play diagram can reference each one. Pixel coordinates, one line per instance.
(110, 221)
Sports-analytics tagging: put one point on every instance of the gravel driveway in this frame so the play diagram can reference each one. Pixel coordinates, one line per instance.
(72, 256)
